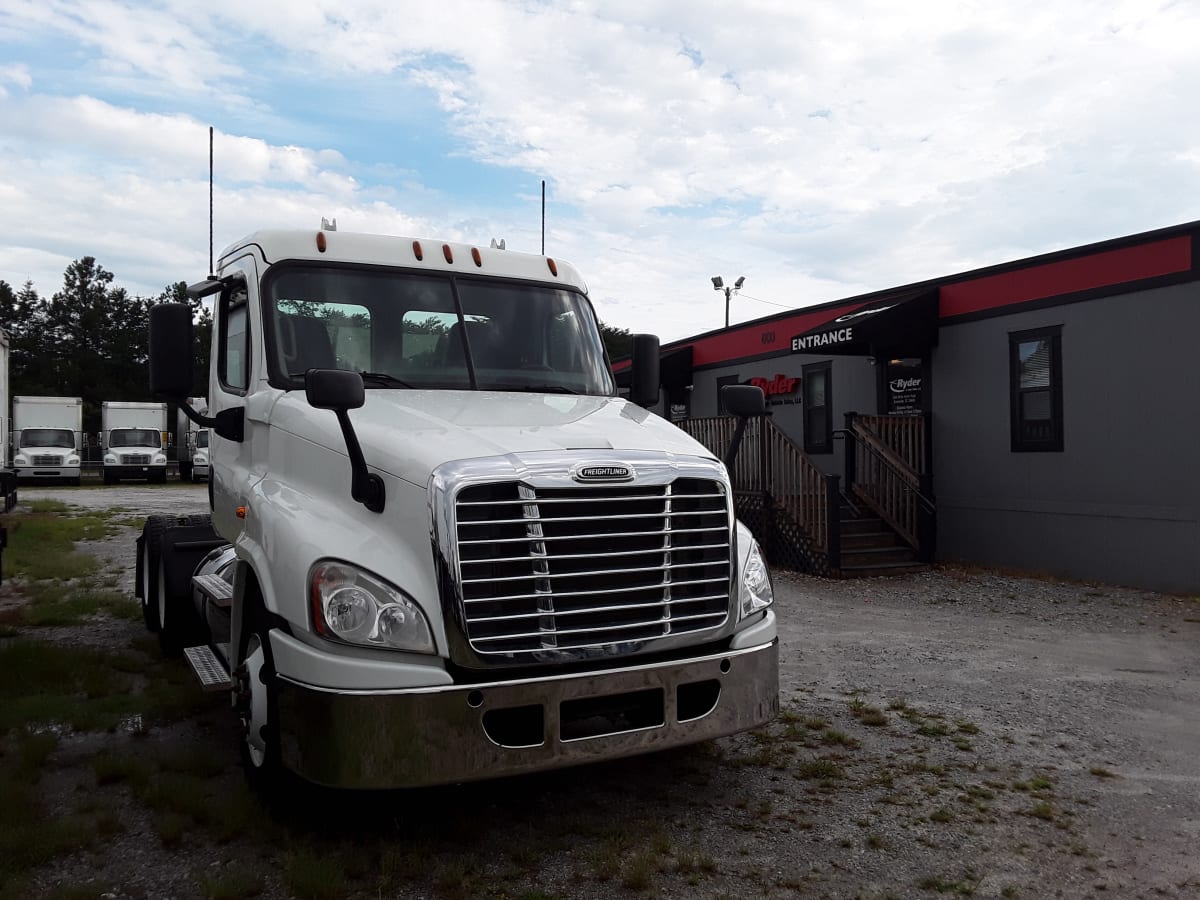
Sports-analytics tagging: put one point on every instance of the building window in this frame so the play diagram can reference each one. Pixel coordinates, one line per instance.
(818, 408)
(1035, 373)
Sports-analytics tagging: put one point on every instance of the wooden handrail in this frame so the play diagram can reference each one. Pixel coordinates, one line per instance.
(886, 483)
(903, 435)
(772, 463)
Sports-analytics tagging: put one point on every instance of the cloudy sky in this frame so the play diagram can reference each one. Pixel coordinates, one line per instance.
(820, 148)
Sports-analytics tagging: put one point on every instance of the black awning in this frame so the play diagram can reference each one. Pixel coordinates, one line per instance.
(900, 325)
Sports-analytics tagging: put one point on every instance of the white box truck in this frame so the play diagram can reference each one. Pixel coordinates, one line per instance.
(442, 548)
(132, 438)
(46, 437)
(191, 442)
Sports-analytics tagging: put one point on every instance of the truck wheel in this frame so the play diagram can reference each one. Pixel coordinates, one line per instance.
(185, 472)
(147, 566)
(108, 477)
(149, 553)
(254, 699)
(159, 476)
(179, 625)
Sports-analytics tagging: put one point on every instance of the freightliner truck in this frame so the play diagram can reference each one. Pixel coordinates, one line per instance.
(442, 547)
(47, 437)
(132, 437)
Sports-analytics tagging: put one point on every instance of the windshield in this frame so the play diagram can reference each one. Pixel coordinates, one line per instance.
(133, 437)
(47, 437)
(405, 330)
(202, 438)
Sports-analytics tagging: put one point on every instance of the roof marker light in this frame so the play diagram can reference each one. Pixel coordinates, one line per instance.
(417, 251)
(475, 255)
(321, 241)
(446, 252)
(553, 266)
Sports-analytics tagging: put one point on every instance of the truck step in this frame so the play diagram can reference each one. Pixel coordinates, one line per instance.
(208, 667)
(216, 588)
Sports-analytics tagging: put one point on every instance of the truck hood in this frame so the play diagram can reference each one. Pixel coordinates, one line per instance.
(409, 433)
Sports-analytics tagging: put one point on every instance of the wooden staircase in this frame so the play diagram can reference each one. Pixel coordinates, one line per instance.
(881, 525)
(870, 547)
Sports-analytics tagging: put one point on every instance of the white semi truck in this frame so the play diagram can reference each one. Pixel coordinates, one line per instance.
(442, 548)
(47, 432)
(191, 442)
(132, 439)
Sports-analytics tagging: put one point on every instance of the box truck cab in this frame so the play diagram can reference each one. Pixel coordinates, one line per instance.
(442, 547)
(46, 437)
(132, 440)
(191, 442)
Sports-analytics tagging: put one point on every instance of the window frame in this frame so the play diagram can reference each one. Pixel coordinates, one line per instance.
(1018, 442)
(237, 283)
(811, 444)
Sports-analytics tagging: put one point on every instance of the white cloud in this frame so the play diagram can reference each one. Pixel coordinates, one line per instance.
(820, 150)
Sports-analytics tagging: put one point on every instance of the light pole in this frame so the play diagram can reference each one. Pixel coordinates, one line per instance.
(719, 285)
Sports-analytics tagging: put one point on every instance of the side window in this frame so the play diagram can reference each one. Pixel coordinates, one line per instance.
(818, 407)
(1035, 379)
(234, 322)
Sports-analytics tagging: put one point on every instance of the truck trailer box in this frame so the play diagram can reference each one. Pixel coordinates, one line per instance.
(133, 439)
(47, 432)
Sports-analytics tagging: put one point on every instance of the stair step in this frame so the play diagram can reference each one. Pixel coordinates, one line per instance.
(872, 556)
(868, 540)
(208, 668)
(858, 526)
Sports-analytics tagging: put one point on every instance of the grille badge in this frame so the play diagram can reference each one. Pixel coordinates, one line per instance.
(601, 472)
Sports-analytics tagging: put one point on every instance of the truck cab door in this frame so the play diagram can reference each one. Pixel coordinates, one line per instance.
(232, 374)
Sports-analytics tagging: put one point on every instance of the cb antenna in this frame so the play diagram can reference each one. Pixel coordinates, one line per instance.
(543, 217)
(210, 198)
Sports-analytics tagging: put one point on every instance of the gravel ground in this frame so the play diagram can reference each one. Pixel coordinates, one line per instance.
(954, 732)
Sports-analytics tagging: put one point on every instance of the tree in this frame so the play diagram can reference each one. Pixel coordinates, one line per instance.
(618, 341)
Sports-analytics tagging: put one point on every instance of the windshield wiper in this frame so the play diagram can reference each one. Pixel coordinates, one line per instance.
(542, 389)
(384, 378)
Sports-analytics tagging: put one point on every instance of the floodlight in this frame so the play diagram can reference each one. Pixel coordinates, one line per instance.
(718, 282)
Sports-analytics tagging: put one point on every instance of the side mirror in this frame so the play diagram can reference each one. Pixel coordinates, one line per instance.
(334, 389)
(644, 385)
(341, 391)
(744, 400)
(170, 351)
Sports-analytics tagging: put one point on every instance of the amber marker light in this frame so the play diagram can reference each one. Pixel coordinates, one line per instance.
(241, 512)
(446, 252)
(475, 255)
(417, 251)
(321, 241)
(553, 266)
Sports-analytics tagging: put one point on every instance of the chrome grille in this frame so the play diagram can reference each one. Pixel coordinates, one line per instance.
(135, 459)
(47, 460)
(544, 569)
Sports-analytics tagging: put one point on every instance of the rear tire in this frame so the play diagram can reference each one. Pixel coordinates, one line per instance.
(179, 625)
(109, 478)
(148, 565)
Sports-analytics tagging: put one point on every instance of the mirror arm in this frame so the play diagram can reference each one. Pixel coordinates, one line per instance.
(365, 487)
(228, 423)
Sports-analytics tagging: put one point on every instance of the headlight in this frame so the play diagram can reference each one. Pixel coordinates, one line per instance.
(20, 460)
(350, 605)
(72, 460)
(109, 458)
(756, 590)
(159, 458)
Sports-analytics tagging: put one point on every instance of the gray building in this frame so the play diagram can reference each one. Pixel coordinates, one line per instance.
(1036, 415)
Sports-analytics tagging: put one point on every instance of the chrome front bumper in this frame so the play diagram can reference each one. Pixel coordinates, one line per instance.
(443, 735)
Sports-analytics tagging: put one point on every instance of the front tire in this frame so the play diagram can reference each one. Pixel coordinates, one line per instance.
(255, 701)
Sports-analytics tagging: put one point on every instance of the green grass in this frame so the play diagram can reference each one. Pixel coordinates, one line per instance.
(41, 543)
(87, 689)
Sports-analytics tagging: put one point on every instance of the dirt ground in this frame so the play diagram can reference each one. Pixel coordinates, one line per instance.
(950, 733)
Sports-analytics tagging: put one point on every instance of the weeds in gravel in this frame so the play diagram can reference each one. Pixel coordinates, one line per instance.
(1101, 772)
(317, 876)
(234, 883)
